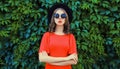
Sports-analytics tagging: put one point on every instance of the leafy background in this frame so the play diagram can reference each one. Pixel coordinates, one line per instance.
(96, 26)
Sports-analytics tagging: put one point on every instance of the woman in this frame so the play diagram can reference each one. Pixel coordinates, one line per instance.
(58, 46)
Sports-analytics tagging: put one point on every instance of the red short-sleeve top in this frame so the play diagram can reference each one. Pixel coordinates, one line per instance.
(58, 46)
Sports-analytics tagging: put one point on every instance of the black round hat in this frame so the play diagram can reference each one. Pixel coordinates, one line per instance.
(60, 5)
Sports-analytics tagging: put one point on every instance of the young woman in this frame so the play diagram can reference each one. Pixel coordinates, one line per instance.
(58, 45)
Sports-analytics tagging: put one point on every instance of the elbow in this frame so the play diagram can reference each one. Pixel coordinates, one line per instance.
(41, 59)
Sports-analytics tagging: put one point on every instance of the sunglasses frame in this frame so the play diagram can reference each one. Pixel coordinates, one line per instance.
(56, 15)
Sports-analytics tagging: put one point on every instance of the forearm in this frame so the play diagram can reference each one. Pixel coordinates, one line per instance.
(63, 63)
(50, 59)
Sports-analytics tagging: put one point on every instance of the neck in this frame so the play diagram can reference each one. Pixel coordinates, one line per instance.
(59, 29)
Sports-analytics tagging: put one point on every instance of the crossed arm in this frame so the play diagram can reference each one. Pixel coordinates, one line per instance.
(60, 61)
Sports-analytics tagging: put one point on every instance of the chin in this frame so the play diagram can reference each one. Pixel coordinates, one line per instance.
(60, 23)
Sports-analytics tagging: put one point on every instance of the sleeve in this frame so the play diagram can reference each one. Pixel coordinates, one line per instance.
(44, 43)
(72, 48)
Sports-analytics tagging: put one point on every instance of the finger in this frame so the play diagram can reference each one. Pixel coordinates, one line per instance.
(75, 58)
(44, 53)
(75, 61)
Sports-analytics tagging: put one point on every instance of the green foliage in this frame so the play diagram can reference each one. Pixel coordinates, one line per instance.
(96, 26)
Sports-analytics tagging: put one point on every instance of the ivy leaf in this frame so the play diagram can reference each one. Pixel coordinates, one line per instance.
(115, 8)
(4, 33)
(114, 32)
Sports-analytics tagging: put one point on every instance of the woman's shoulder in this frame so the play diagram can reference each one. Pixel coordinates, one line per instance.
(46, 33)
(71, 34)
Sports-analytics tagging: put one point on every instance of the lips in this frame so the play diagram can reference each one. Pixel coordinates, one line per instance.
(59, 21)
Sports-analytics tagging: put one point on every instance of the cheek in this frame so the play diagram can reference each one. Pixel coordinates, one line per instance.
(55, 20)
(63, 20)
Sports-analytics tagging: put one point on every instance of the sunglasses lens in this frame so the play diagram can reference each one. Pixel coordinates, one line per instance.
(56, 15)
(63, 16)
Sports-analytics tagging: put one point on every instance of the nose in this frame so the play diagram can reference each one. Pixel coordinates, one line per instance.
(60, 18)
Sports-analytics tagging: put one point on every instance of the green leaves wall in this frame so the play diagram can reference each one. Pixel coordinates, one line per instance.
(96, 26)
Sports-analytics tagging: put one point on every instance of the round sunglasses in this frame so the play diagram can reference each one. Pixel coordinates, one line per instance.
(56, 15)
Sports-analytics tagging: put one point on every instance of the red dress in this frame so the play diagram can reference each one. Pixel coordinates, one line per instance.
(58, 46)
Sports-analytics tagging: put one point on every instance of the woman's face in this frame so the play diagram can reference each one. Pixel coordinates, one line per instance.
(59, 17)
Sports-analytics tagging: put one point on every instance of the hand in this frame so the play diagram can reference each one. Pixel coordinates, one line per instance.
(44, 53)
(73, 57)
(42, 56)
